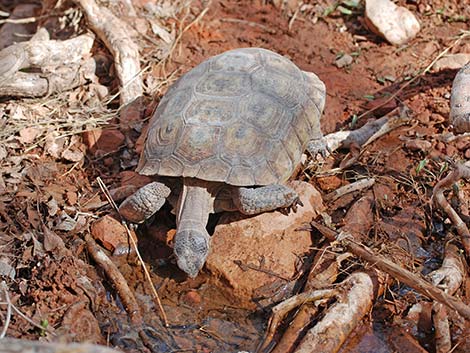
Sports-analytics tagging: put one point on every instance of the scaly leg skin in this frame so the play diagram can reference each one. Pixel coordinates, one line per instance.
(141, 205)
(266, 198)
(318, 146)
(192, 241)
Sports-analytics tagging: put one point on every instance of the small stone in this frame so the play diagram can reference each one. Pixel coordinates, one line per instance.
(192, 298)
(72, 197)
(452, 62)
(394, 23)
(109, 161)
(6, 270)
(418, 145)
(329, 183)
(109, 232)
(72, 155)
(344, 60)
(129, 177)
(121, 192)
(270, 241)
(28, 134)
(106, 141)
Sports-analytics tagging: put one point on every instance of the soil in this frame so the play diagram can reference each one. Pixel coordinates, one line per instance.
(47, 204)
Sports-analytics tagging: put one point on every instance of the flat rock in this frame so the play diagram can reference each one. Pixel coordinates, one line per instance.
(106, 141)
(269, 241)
(344, 60)
(395, 23)
(452, 62)
(110, 233)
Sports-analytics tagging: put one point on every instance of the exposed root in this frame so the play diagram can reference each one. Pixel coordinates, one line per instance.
(399, 273)
(117, 279)
(323, 273)
(459, 100)
(282, 309)
(359, 138)
(352, 305)
(115, 34)
(63, 64)
(449, 277)
(460, 171)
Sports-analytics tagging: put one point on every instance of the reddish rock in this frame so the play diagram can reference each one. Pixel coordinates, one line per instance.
(110, 233)
(452, 62)
(418, 145)
(329, 183)
(129, 177)
(106, 141)
(192, 298)
(72, 197)
(122, 192)
(269, 240)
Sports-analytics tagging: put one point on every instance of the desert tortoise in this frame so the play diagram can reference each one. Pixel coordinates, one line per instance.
(232, 129)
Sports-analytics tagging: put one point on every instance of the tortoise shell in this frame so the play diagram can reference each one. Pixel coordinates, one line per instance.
(243, 117)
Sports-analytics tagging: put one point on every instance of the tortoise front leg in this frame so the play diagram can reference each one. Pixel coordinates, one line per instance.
(142, 204)
(265, 198)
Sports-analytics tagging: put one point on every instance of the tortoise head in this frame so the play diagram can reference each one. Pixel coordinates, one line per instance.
(191, 250)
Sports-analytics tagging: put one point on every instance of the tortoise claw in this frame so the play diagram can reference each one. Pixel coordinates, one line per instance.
(293, 207)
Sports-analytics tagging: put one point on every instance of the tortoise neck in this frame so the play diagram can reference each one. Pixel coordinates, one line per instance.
(194, 204)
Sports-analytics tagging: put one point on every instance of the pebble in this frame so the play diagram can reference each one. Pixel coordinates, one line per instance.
(452, 62)
(394, 23)
(344, 60)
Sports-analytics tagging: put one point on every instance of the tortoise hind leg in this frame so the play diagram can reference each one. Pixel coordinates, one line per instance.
(265, 198)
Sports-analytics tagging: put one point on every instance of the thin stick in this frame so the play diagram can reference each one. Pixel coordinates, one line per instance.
(21, 20)
(440, 55)
(134, 245)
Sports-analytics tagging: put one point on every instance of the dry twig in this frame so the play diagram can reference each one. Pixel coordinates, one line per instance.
(399, 273)
(356, 186)
(460, 171)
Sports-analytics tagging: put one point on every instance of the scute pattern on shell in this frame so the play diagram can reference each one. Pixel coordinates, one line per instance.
(242, 117)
